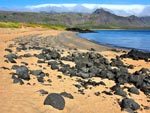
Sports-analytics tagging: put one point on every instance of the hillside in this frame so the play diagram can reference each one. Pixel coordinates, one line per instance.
(98, 19)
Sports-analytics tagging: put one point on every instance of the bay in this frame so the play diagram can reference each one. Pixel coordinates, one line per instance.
(137, 39)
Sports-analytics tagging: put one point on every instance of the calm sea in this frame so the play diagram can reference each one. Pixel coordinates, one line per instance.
(138, 39)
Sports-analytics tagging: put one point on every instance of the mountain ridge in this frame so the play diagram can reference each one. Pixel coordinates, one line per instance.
(99, 18)
(121, 10)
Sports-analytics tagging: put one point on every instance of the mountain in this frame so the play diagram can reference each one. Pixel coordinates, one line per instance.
(98, 19)
(106, 18)
(121, 10)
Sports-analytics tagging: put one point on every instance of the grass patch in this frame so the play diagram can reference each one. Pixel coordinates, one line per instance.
(9, 25)
(34, 25)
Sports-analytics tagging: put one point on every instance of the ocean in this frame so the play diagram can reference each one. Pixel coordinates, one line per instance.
(135, 39)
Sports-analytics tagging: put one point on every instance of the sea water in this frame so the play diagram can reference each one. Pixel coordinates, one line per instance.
(137, 39)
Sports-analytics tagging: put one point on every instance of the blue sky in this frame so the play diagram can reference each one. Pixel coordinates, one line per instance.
(20, 3)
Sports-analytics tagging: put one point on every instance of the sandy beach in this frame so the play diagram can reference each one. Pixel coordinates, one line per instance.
(26, 98)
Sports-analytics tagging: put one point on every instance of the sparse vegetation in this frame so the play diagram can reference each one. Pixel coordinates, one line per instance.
(20, 25)
(103, 20)
(9, 25)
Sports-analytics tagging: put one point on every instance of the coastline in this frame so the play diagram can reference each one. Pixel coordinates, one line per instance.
(112, 45)
(77, 41)
(26, 98)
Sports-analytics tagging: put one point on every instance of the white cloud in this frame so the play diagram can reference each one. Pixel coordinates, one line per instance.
(51, 5)
(134, 9)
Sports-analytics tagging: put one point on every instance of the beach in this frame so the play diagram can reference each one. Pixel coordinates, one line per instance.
(26, 98)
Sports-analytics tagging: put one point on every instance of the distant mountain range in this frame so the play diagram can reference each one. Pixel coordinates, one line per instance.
(121, 10)
(100, 18)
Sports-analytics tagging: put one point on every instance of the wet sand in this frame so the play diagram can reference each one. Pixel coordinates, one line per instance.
(15, 98)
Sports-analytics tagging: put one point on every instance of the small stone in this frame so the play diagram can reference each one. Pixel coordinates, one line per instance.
(36, 72)
(49, 80)
(40, 79)
(107, 93)
(68, 95)
(9, 50)
(17, 80)
(24, 63)
(97, 93)
(27, 55)
(59, 77)
(43, 92)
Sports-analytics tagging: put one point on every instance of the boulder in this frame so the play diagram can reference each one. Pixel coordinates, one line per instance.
(121, 93)
(115, 87)
(137, 55)
(11, 57)
(128, 103)
(23, 73)
(134, 90)
(55, 100)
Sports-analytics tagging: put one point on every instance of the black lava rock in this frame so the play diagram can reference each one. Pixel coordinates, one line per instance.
(68, 95)
(137, 55)
(40, 79)
(121, 93)
(115, 87)
(11, 57)
(27, 55)
(36, 72)
(40, 61)
(116, 62)
(9, 50)
(97, 93)
(79, 30)
(55, 100)
(43, 92)
(134, 90)
(84, 75)
(17, 80)
(129, 103)
(54, 67)
(5, 68)
(24, 63)
(23, 73)
(107, 93)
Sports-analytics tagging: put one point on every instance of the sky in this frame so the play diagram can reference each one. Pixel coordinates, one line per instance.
(21, 3)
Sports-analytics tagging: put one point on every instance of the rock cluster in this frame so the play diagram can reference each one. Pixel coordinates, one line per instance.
(86, 66)
(137, 55)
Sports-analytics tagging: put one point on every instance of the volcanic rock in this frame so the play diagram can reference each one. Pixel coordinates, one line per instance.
(55, 100)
